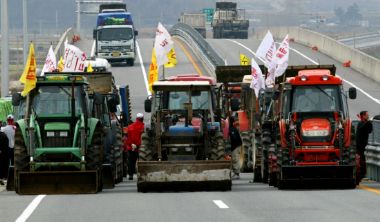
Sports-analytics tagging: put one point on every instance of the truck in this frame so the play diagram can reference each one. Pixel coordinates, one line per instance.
(58, 145)
(113, 7)
(183, 147)
(229, 22)
(115, 36)
(311, 129)
(195, 20)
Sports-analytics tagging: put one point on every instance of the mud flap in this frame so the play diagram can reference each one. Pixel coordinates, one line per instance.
(202, 175)
(108, 176)
(58, 182)
(11, 179)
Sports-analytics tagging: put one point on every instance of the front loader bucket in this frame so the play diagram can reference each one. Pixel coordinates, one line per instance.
(203, 175)
(58, 182)
(108, 176)
(319, 175)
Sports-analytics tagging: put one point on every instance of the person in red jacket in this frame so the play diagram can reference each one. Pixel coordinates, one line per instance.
(133, 143)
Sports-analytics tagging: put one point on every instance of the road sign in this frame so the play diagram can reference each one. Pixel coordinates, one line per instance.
(209, 12)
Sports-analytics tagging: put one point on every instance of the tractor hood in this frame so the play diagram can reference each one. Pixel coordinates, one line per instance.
(315, 127)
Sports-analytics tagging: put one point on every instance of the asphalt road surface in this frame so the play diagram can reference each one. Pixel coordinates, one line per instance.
(245, 202)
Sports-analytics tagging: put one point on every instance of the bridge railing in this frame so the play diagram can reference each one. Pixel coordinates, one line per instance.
(199, 46)
(373, 152)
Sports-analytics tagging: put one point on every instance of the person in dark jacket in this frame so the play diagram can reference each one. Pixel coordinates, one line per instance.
(133, 142)
(4, 159)
(236, 143)
(363, 130)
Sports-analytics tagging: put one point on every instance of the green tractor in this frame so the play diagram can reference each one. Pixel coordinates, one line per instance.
(58, 145)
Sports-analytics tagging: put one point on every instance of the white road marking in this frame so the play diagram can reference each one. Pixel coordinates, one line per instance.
(31, 207)
(236, 42)
(316, 63)
(143, 69)
(220, 204)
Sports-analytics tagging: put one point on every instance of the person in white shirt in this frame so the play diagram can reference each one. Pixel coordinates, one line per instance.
(9, 130)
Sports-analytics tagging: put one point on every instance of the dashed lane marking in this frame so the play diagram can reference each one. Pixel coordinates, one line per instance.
(220, 204)
(31, 207)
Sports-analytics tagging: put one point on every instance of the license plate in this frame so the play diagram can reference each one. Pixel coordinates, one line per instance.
(116, 54)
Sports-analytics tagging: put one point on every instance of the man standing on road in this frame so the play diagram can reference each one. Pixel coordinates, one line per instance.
(363, 129)
(133, 142)
(236, 143)
(9, 130)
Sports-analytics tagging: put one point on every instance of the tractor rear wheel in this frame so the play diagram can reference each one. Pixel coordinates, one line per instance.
(94, 154)
(246, 147)
(118, 154)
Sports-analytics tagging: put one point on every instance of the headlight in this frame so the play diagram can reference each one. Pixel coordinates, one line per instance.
(63, 133)
(315, 133)
(50, 134)
(174, 149)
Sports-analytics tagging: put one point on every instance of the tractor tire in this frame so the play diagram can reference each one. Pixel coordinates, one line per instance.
(258, 159)
(264, 164)
(246, 147)
(128, 98)
(146, 148)
(21, 157)
(282, 160)
(94, 152)
(118, 154)
(217, 147)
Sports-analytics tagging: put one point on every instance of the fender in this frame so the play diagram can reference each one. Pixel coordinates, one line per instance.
(347, 132)
(282, 127)
(243, 121)
(92, 123)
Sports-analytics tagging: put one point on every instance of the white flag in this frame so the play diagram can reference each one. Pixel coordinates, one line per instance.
(266, 51)
(74, 59)
(282, 57)
(162, 44)
(50, 62)
(257, 78)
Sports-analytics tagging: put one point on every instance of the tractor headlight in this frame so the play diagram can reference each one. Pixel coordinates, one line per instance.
(315, 133)
(188, 149)
(63, 134)
(174, 149)
(50, 134)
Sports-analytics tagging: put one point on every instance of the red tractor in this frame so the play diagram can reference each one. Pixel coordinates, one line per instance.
(312, 130)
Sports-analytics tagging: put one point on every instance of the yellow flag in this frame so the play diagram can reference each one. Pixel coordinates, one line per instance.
(61, 64)
(153, 70)
(244, 60)
(89, 68)
(172, 59)
(28, 77)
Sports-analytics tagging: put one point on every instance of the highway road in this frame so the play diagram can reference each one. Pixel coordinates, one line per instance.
(246, 202)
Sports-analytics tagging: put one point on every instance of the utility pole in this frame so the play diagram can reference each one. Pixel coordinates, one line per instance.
(78, 15)
(25, 29)
(4, 49)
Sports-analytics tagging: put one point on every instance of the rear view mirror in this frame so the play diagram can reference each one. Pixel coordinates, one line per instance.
(16, 99)
(98, 98)
(352, 93)
(94, 32)
(235, 104)
(148, 105)
(136, 32)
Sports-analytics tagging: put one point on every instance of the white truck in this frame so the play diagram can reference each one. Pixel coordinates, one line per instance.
(115, 36)
(195, 20)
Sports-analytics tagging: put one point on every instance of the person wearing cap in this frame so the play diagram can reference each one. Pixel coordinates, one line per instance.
(9, 130)
(133, 142)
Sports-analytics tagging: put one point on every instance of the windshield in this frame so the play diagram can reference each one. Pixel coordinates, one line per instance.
(199, 100)
(316, 99)
(115, 34)
(52, 100)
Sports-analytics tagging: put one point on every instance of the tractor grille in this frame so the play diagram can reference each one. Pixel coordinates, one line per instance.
(58, 140)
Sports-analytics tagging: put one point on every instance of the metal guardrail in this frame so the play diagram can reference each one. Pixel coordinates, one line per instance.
(373, 152)
(199, 45)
